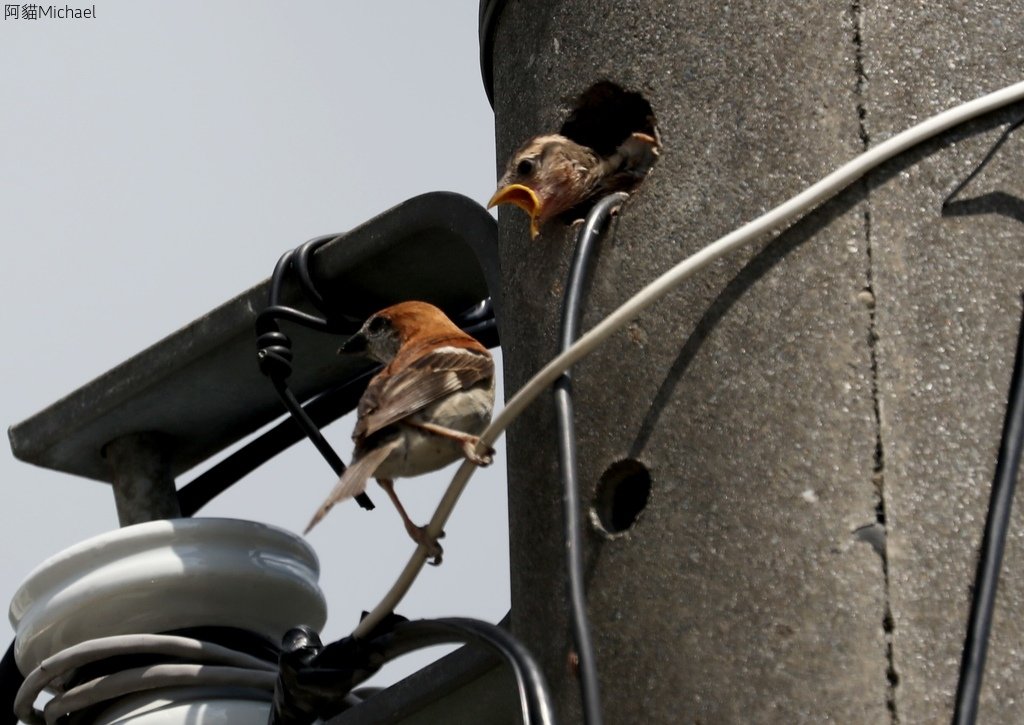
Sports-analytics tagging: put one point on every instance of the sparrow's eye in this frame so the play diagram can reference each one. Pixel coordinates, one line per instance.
(525, 167)
(377, 326)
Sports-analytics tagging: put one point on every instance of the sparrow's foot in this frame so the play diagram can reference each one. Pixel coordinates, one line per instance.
(481, 459)
(420, 536)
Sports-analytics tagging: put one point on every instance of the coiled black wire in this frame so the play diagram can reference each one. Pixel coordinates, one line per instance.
(274, 346)
(997, 523)
(596, 223)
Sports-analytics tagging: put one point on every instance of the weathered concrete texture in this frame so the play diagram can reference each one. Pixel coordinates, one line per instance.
(742, 594)
(948, 307)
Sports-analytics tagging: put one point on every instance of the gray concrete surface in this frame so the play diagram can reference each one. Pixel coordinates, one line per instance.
(948, 304)
(758, 584)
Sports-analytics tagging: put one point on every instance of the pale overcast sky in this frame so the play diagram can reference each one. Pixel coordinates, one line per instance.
(156, 161)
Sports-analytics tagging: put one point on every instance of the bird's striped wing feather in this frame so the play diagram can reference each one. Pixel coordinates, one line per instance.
(428, 378)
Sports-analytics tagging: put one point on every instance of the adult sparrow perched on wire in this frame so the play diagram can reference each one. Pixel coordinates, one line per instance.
(424, 410)
(553, 177)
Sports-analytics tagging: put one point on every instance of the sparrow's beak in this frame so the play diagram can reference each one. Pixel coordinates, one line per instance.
(354, 345)
(522, 196)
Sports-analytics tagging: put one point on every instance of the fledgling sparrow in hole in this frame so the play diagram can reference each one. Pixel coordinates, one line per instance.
(424, 410)
(553, 177)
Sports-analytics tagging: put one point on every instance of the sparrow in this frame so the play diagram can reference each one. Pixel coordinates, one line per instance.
(609, 142)
(425, 409)
(553, 177)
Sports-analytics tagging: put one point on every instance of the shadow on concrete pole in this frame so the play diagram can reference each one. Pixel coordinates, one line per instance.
(820, 415)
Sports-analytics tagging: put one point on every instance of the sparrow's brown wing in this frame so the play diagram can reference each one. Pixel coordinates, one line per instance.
(430, 377)
(353, 481)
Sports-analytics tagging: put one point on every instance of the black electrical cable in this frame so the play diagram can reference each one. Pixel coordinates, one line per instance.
(490, 11)
(301, 266)
(279, 312)
(312, 432)
(979, 623)
(316, 679)
(590, 689)
(274, 346)
(323, 409)
(11, 680)
(534, 696)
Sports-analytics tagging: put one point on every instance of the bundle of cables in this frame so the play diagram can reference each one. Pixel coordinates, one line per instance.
(304, 681)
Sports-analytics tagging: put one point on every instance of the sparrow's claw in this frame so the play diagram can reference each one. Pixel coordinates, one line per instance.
(420, 536)
(481, 459)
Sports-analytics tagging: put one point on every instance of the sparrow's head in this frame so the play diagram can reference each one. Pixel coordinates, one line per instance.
(384, 333)
(548, 175)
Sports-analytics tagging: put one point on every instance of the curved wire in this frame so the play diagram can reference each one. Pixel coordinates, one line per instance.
(298, 259)
(272, 313)
(207, 664)
(57, 665)
(301, 266)
(274, 347)
(772, 220)
(572, 308)
(534, 696)
(153, 677)
(67, 660)
(993, 542)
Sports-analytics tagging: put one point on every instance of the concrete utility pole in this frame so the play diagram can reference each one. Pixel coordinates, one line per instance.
(819, 415)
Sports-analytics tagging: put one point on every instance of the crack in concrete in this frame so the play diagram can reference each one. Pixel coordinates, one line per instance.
(878, 468)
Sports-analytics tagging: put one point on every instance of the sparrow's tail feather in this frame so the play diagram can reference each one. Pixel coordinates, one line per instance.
(353, 481)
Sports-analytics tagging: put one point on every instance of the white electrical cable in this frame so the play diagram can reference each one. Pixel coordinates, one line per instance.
(773, 220)
(56, 666)
(155, 677)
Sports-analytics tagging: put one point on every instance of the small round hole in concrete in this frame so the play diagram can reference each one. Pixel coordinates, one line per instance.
(622, 494)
